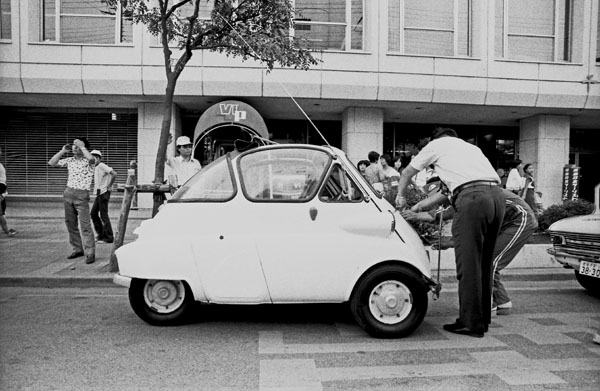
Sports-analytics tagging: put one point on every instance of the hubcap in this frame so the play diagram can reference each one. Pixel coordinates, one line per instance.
(390, 302)
(164, 296)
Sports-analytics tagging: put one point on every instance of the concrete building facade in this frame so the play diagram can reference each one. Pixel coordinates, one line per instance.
(522, 76)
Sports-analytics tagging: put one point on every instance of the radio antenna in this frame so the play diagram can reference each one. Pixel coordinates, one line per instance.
(281, 84)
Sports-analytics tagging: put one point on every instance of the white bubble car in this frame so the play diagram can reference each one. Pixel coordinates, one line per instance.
(279, 224)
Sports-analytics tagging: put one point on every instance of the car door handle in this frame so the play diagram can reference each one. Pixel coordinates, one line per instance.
(313, 213)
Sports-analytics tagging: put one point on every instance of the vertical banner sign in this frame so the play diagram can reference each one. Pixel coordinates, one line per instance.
(570, 186)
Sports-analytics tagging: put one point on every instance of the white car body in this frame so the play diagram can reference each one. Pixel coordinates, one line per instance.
(285, 248)
(576, 245)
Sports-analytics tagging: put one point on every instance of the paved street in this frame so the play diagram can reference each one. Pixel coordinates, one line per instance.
(73, 339)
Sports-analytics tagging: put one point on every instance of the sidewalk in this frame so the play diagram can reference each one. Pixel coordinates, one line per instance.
(37, 255)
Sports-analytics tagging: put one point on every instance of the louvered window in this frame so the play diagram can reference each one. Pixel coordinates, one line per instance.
(29, 138)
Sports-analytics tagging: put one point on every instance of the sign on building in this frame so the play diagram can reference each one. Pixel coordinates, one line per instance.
(570, 186)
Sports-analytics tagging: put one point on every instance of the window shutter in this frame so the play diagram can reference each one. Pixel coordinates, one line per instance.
(29, 138)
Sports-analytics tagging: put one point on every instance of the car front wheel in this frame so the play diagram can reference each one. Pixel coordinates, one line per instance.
(592, 284)
(389, 302)
(160, 302)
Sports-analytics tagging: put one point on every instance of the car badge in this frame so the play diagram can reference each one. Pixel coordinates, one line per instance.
(313, 213)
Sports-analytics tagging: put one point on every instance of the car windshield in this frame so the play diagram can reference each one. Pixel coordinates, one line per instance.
(213, 183)
(286, 174)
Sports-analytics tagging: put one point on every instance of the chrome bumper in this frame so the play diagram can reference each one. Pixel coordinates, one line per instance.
(122, 280)
(569, 260)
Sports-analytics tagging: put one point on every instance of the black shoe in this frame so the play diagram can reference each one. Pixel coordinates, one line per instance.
(90, 259)
(76, 254)
(458, 328)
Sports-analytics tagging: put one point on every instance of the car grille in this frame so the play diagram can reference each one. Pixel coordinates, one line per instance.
(577, 243)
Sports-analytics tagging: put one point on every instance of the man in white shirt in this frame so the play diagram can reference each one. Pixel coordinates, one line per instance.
(479, 205)
(184, 165)
(104, 177)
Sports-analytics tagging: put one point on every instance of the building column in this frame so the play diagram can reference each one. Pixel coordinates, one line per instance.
(362, 132)
(150, 116)
(544, 142)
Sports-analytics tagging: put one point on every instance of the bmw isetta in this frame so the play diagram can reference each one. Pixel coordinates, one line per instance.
(279, 224)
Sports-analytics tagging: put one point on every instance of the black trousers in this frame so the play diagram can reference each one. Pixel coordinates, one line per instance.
(478, 218)
(100, 218)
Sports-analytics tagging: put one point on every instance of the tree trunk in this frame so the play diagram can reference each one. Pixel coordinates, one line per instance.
(159, 168)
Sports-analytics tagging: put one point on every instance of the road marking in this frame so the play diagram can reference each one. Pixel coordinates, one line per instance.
(271, 342)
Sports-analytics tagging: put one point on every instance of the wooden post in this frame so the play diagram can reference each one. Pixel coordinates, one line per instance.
(130, 190)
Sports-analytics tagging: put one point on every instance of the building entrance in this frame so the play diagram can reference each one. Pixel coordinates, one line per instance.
(228, 126)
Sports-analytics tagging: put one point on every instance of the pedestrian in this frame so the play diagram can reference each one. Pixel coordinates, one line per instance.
(502, 174)
(528, 192)
(104, 177)
(183, 166)
(514, 182)
(397, 163)
(374, 172)
(3, 223)
(518, 225)
(76, 197)
(391, 177)
(479, 205)
(362, 166)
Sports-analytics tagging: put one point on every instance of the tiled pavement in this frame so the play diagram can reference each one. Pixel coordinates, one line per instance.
(521, 352)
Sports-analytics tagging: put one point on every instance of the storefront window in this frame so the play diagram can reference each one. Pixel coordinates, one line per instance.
(403, 141)
(5, 23)
(432, 27)
(84, 21)
(539, 30)
(332, 25)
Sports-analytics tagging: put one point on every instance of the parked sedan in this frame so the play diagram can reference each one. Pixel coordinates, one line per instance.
(279, 224)
(576, 245)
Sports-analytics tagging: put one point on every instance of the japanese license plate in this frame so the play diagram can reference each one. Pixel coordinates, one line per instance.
(589, 269)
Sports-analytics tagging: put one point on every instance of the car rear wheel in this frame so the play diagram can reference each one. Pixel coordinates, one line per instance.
(389, 302)
(592, 284)
(160, 302)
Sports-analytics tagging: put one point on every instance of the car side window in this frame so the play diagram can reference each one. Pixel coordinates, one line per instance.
(340, 187)
(282, 175)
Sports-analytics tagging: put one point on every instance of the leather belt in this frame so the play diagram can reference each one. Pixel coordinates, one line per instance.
(471, 184)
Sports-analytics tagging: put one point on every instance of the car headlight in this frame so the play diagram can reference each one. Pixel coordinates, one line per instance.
(557, 239)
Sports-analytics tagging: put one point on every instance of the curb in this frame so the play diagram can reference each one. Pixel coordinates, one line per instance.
(57, 282)
(106, 280)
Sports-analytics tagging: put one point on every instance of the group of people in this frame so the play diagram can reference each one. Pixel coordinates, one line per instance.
(520, 181)
(490, 224)
(84, 167)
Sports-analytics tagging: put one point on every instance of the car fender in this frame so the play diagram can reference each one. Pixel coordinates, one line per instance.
(162, 260)
(403, 256)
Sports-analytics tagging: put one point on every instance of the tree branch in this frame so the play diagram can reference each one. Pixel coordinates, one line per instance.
(178, 5)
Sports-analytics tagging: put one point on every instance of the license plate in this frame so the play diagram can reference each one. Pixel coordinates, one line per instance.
(589, 269)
